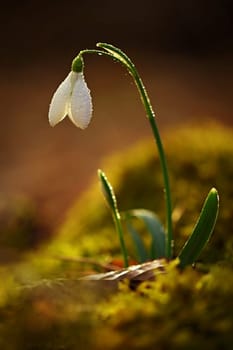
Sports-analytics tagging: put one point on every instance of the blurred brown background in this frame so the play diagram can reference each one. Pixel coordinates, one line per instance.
(183, 50)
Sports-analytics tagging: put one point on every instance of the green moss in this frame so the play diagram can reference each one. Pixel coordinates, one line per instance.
(185, 310)
(179, 310)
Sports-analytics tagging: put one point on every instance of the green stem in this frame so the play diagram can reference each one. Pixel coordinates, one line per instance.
(121, 57)
(151, 117)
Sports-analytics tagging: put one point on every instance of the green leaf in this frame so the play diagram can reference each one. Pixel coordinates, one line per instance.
(202, 230)
(155, 229)
(139, 245)
(107, 190)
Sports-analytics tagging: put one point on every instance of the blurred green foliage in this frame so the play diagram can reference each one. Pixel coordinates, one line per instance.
(44, 306)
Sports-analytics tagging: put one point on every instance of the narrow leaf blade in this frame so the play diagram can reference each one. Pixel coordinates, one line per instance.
(202, 230)
(155, 229)
(138, 243)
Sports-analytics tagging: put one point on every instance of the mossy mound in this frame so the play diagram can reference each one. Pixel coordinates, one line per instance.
(198, 158)
(44, 306)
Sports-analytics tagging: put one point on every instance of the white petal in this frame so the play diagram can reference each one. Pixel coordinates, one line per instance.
(59, 104)
(81, 104)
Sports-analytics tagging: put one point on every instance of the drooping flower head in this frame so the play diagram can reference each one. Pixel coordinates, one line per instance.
(72, 98)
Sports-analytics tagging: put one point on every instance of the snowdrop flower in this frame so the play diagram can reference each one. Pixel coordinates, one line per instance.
(73, 99)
